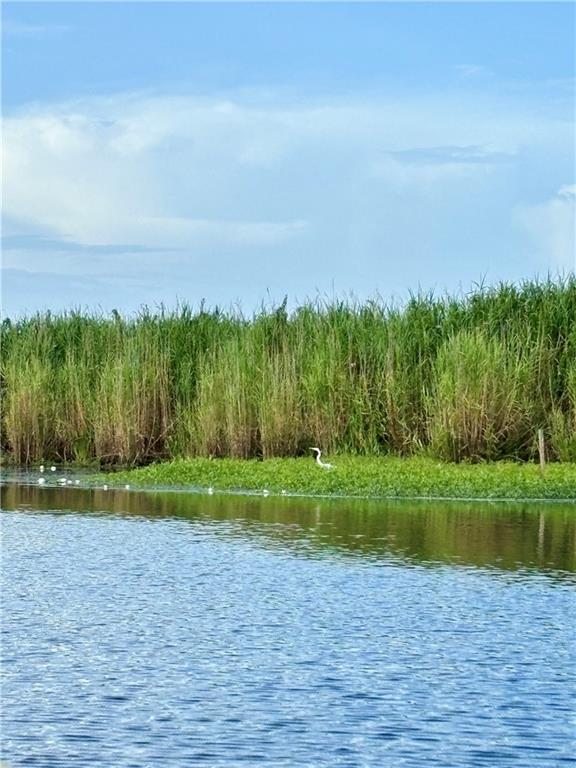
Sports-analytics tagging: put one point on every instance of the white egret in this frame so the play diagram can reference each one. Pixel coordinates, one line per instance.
(41, 467)
(52, 469)
(323, 464)
(41, 481)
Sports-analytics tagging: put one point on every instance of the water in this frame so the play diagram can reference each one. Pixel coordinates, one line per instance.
(174, 629)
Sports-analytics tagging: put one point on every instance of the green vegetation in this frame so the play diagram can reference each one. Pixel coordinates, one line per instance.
(470, 378)
(363, 476)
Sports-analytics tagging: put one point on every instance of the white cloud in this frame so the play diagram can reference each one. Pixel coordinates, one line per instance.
(339, 185)
(551, 227)
(152, 172)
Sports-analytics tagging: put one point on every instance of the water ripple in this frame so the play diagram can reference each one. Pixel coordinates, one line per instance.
(137, 642)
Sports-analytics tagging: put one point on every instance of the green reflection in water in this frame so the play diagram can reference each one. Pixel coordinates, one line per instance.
(506, 536)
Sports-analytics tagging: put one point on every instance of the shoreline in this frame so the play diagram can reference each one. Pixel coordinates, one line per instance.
(357, 477)
(94, 484)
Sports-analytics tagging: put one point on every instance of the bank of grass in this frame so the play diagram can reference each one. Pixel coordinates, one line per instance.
(362, 476)
(461, 378)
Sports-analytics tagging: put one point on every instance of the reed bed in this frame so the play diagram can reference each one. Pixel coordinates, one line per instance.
(457, 378)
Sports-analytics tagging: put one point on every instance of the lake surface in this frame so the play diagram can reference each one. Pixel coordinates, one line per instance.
(179, 629)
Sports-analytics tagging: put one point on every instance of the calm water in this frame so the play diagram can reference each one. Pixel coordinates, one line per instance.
(174, 629)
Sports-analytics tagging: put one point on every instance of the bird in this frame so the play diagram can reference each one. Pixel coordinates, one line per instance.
(323, 464)
(41, 481)
(41, 467)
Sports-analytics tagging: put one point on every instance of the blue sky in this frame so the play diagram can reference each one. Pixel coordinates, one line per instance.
(156, 152)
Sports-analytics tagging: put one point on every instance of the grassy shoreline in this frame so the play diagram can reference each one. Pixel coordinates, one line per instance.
(389, 477)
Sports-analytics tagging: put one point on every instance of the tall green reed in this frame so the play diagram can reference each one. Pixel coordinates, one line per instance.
(462, 378)
(480, 406)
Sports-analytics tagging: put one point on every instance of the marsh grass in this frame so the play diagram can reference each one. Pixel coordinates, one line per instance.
(467, 378)
(365, 476)
(563, 421)
(480, 405)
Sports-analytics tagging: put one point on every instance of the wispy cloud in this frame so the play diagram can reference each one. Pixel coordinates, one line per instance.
(13, 28)
(452, 155)
(188, 230)
(39, 243)
(472, 71)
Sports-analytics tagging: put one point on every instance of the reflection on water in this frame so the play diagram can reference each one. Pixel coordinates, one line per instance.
(508, 536)
(168, 629)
